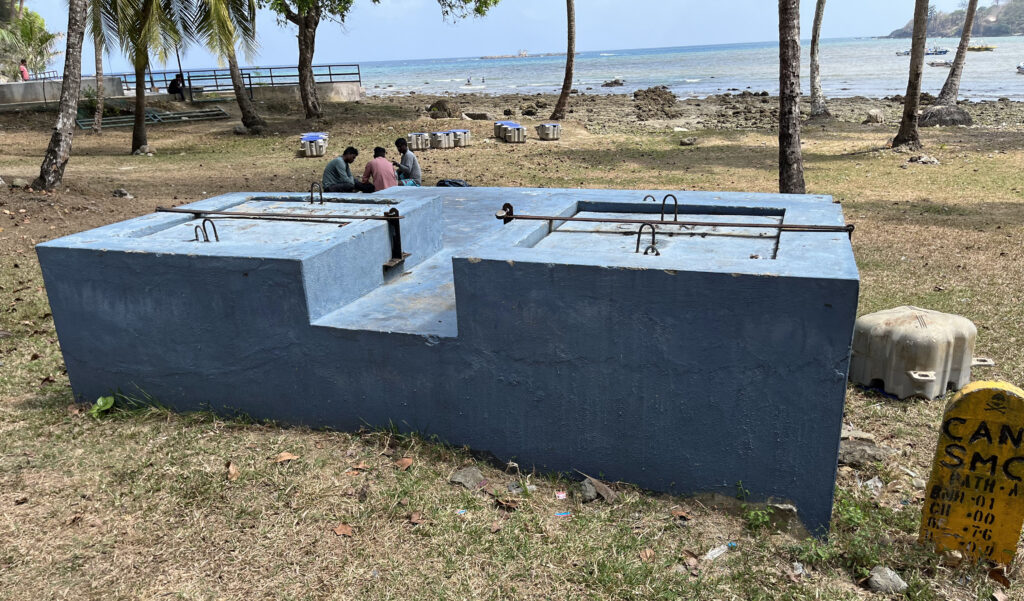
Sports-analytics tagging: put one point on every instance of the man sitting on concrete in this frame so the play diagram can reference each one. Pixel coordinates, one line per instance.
(409, 168)
(338, 175)
(177, 86)
(380, 171)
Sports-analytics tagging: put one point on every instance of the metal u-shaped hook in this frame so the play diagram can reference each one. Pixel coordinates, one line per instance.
(674, 200)
(200, 230)
(651, 196)
(317, 186)
(216, 236)
(654, 241)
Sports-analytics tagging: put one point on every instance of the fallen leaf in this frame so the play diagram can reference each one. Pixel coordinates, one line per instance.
(496, 526)
(352, 472)
(404, 463)
(998, 574)
(74, 409)
(691, 560)
(679, 514)
(233, 472)
(285, 456)
(343, 529)
(999, 596)
(388, 452)
(509, 505)
(647, 555)
(362, 466)
(416, 518)
(404, 501)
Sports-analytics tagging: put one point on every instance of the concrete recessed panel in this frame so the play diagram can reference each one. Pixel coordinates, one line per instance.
(721, 359)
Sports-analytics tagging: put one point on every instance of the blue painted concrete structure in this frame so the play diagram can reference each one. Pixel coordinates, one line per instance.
(722, 360)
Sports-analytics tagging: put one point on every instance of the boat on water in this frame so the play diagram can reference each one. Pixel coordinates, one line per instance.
(902, 53)
(936, 51)
(981, 46)
(1020, 68)
(946, 64)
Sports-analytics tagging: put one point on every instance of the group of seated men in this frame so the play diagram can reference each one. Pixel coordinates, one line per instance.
(380, 173)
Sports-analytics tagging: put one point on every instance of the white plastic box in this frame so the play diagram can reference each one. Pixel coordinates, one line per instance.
(419, 141)
(442, 139)
(549, 131)
(515, 134)
(908, 351)
(314, 148)
(461, 137)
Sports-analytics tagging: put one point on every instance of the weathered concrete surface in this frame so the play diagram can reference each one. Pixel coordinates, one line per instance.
(342, 91)
(686, 372)
(49, 91)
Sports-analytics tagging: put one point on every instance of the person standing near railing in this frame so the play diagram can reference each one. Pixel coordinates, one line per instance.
(23, 68)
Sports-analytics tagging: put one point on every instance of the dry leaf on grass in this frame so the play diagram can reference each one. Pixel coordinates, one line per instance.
(343, 529)
(509, 505)
(404, 463)
(285, 457)
(647, 555)
(416, 518)
(233, 472)
(496, 526)
(998, 574)
(679, 514)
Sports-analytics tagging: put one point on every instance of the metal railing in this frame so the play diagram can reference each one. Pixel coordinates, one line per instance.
(44, 76)
(220, 79)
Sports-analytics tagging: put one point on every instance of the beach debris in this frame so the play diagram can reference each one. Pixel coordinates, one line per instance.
(470, 477)
(862, 453)
(460, 512)
(122, 193)
(944, 116)
(655, 103)
(715, 553)
(924, 159)
(615, 83)
(884, 580)
(691, 141)
(560, 494)
(875, 485)
(516, 488)
(874, 117)
(563, 514)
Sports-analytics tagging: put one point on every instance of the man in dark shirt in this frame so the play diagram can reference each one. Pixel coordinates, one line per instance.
(177, 86)
(338, 175)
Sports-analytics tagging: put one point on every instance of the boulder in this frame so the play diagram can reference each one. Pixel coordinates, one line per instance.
(688, 141)
(470, 477)
(19, 183)
(874, 116)
(479, 116)
(587, 491)
(945, 116)
(883, 580)
(442, 109)
(615, 83)
(861, 453)
(121, 193)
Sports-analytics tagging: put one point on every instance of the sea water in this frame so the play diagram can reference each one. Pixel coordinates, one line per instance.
(849, 67)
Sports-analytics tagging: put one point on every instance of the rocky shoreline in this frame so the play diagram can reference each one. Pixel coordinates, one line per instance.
(657, 109)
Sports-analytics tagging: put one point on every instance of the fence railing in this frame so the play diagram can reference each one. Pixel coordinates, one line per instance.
(44, 76)
(220, 79)
(215, 82)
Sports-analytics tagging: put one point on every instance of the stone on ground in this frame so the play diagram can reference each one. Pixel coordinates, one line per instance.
(587, 491)
(884, 580)
(862, 453)
(122, 193)
(442, 109)
(945, 116)
(470, 477)
(875, 116)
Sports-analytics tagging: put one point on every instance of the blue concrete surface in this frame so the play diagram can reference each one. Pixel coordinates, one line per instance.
(723, 360)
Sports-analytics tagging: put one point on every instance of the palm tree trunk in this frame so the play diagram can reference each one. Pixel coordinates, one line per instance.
(570, 63)
(51, 172)
(818, 107)
(307, 45)
(909, 135)
(951, 89)
(97, 118)
(250, 118)
(791, 162)
(139, 138)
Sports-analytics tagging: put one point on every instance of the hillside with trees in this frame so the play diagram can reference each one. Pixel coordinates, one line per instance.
(1002, 18)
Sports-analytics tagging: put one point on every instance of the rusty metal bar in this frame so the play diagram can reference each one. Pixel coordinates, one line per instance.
(391, 215)
(507, 215)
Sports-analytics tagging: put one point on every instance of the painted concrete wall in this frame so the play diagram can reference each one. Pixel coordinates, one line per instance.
(684, 373)
(49, 91)
(330, 92)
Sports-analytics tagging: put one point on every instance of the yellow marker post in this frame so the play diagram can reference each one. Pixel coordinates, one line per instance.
(974, 502)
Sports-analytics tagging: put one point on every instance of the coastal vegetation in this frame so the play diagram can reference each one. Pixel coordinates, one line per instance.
(996, 20)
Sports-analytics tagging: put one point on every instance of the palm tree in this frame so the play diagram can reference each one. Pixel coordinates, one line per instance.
(951, 89)
(909, 135)
(222, 24)
(818, 107)
(99, 44)
(791, 162)
(570, 62)
(51, 172)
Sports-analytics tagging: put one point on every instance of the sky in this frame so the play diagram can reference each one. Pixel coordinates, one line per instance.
(414, 29)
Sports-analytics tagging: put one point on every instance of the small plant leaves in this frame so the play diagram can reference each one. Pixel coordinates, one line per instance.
(647, 555)
(343, 529)
(285, 457)
(102, 405)
(233, 472)
(404, 463)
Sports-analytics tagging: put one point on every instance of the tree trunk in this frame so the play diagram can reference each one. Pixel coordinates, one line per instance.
(818, 107)
(139, 138)
(909, 135)
(791, 162)
(97, 118)
(51, 172)
(951, 89)
(570, 63)
(307, 44)
(250, 118)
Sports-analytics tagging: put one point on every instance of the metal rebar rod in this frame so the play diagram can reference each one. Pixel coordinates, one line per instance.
(507, 215)
(280, 216)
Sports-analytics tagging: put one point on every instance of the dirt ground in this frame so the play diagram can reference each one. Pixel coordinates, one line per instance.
(140, 505)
